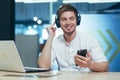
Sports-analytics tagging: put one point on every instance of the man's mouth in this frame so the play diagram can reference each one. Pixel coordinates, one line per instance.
(68, 27)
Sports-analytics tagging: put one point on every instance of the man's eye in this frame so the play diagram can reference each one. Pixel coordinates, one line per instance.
(63, 19)
(72, 18)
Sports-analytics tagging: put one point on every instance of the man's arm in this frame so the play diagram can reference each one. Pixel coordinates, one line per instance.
(88, 62)
(99, 66)
(44, 59)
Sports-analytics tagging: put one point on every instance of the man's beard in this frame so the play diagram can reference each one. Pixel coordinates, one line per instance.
(69, 33)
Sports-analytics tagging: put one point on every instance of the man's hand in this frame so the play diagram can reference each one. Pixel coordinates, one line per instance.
(83, 61)
(51, 30)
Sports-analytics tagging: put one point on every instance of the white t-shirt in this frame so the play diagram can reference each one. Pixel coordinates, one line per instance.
(64, 53)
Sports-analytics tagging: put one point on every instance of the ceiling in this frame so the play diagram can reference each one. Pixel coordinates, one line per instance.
(24, 13)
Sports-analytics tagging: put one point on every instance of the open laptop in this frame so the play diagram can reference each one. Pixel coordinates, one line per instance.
(10, 59)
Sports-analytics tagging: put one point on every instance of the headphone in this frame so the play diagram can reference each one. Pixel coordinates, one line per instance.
(58, 22)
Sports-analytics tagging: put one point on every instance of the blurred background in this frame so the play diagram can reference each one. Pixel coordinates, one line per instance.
(25, 21)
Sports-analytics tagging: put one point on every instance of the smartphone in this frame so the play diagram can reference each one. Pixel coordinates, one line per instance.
(82, 52)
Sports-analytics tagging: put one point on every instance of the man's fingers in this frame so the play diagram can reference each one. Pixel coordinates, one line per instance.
(53, 24)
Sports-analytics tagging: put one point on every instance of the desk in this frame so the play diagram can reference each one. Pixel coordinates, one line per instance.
(60, 76)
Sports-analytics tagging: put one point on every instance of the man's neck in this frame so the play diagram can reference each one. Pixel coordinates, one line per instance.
(69, 37)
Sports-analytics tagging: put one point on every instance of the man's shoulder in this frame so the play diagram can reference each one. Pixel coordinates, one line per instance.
(59, 37)
(81, 33)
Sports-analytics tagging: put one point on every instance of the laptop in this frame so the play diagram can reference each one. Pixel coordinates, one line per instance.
(10, 59)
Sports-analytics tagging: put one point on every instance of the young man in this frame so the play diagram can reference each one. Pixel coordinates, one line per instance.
(63, 48)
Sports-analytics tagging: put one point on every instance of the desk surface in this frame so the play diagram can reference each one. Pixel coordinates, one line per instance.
(51, 75)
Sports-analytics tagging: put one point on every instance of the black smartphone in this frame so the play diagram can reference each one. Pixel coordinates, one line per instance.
(82, 52)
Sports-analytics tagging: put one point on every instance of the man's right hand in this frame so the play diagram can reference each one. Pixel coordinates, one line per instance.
(51, 30)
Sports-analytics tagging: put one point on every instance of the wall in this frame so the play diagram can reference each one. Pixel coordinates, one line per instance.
(105, 27)
(7, 19)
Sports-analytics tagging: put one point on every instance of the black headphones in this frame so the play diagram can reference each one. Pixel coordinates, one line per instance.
(58, 23)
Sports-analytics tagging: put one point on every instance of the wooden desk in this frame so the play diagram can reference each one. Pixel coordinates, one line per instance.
(60, 76)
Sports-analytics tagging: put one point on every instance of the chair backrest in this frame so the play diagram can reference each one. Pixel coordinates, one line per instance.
(28, 47)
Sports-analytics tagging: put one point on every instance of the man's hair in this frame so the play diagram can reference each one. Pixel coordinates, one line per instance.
(66, 7)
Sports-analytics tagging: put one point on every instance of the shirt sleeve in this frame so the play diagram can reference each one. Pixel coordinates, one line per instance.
(95, 49)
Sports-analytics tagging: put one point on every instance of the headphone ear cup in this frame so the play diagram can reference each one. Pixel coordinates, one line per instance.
(57, 22)
(78, 19)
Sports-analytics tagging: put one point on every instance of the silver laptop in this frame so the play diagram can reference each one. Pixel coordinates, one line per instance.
(10, 59)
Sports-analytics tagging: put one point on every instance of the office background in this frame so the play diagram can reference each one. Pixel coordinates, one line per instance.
(26, 22)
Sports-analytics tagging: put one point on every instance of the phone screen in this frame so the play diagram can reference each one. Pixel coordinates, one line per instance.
(82, 52)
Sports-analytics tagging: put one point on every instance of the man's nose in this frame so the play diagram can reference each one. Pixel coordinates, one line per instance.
(67, 21)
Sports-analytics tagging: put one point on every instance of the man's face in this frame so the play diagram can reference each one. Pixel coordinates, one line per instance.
(68, 22)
